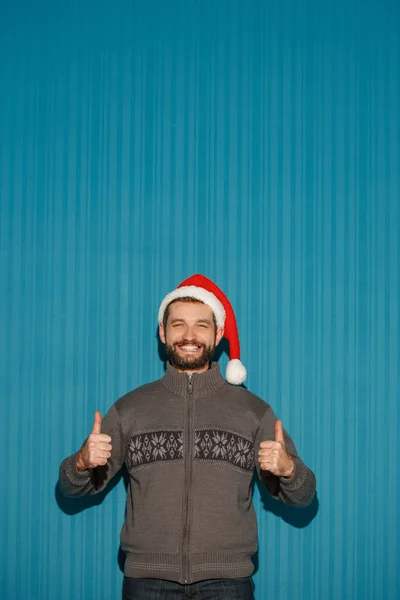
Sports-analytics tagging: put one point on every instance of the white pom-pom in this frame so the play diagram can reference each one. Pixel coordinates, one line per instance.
(235, 372)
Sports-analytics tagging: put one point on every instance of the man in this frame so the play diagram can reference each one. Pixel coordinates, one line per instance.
(190, 442)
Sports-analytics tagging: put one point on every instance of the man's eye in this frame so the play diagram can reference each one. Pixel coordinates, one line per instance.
(203, 325)
(177, 325)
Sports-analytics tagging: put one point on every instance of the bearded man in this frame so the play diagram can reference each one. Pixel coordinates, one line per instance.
(190, 442)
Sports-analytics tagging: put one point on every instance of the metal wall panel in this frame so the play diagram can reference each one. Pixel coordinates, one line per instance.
(258, 143)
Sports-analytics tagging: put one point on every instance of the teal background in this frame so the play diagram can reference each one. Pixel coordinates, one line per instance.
(257, 143)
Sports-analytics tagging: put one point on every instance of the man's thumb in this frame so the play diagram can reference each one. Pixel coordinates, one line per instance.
(279, 432)
(97, 422)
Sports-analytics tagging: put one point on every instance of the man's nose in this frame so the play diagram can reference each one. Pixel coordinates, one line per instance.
(190, 332)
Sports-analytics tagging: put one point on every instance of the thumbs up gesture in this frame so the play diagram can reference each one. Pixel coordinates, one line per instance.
(273, 456)
(97, 448)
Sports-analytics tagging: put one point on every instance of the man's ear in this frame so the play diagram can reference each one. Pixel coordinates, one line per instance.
(161, 332)
(219, 335)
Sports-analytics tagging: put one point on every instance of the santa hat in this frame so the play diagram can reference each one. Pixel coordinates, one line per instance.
(203, 289)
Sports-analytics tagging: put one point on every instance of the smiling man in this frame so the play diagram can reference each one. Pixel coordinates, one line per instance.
(192, 335)
(190, 442)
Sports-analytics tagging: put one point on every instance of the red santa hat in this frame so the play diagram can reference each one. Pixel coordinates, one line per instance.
(203, 289)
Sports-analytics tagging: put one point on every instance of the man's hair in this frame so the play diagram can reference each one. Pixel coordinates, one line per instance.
(185, 299)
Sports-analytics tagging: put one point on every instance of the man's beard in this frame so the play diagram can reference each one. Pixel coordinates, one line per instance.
(189, 363)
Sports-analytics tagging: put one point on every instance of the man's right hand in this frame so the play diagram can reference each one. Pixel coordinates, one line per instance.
(97, 448)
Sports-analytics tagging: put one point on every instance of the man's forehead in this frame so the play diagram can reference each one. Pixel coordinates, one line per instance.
(193, 310)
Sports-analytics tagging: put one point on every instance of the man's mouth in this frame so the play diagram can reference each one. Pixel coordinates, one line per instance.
(189, 347)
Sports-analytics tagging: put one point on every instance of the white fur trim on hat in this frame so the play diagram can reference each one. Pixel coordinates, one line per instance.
(192, 291)
(235, 372)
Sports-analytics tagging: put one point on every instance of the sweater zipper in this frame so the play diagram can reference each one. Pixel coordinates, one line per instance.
(188, 477)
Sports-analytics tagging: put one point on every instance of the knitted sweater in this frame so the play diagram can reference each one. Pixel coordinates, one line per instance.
(190, 445)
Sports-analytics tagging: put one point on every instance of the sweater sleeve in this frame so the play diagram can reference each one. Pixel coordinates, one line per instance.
(300, 488)
(75, 483)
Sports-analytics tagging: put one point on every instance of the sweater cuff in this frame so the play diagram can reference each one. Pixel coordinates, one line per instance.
(71, 472)
(298, 478)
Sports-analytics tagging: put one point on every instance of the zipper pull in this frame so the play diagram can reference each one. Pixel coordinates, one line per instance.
(190, 386)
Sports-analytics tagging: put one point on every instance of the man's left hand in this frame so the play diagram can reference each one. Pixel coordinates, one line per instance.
(273, 456)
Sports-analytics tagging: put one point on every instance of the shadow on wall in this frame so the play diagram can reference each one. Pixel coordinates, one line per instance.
(72, 506)
(296, 516)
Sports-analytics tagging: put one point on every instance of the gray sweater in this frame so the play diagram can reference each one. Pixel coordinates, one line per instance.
(190, 445)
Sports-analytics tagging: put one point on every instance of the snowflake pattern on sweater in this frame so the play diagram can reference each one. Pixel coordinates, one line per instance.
(155, 446)
(209, 444)
(220, 445)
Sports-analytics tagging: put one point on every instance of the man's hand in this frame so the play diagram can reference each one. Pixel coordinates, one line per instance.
(273, 457)
(97, 448)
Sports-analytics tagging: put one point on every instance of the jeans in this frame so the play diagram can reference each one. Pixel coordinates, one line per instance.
(209, 589)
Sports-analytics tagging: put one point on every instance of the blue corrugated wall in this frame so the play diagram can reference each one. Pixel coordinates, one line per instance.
(258, 143)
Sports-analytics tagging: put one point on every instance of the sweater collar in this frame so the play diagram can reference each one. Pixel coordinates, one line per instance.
(203, 383)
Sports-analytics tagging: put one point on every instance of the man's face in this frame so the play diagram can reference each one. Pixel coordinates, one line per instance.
(190, 337)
